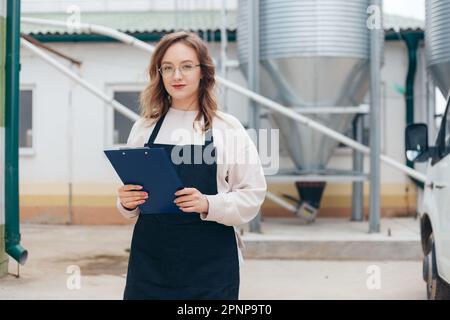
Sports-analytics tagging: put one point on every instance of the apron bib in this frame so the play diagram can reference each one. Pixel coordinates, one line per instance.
(180, 256)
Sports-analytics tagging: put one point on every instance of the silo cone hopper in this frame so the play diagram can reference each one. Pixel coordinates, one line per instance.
(313, 54)
(437, 43)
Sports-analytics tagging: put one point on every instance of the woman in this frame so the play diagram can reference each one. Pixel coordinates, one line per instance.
(195, 254)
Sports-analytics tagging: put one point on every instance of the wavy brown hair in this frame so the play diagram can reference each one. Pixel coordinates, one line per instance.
(155, 100)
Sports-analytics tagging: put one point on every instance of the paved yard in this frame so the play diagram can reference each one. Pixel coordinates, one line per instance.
(99, 253)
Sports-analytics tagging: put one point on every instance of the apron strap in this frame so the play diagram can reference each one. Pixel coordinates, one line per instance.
(155, 131)
(208, 136)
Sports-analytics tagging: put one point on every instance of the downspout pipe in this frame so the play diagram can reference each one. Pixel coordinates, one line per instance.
(12, 232)
(412, 40)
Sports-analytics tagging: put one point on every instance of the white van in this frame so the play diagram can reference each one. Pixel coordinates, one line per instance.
(435, 216)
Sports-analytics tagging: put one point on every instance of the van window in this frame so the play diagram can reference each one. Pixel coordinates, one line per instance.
(443, 137)
(447, 132)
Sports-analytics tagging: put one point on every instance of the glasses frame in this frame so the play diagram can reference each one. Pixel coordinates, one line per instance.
(175, 69)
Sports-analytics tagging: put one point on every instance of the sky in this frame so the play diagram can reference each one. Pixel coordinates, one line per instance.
(409, 8)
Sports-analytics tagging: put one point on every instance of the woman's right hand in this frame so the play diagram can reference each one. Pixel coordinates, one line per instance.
(130, 198)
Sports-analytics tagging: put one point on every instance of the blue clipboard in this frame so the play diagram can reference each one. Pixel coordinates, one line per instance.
(152, 169)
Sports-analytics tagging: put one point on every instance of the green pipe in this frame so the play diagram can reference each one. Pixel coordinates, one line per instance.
(411, 39)
(12, 232)
(412, 42)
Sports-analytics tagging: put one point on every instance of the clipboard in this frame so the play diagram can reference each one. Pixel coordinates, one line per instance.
(154, 171)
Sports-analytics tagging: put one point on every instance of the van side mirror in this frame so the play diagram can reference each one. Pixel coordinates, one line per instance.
(416, 142)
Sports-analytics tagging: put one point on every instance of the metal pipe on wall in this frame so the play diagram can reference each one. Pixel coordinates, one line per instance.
(253, 83)
(223, 50)
(12, 71)
(358, 167)
(375, 127)
(110, 101)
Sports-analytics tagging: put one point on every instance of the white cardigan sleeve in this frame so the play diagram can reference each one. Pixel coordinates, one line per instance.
(130, 143)
(246, 181)
(125, 212)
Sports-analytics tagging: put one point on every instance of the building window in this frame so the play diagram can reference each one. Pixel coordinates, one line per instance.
(122, 124)
(26, 119)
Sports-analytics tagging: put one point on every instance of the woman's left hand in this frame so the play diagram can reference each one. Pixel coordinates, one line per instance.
(191, 200)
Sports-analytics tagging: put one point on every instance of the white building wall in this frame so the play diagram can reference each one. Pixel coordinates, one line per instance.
(106, 66)
(112, 65)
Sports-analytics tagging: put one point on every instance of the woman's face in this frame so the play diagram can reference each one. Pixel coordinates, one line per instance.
(181, 74)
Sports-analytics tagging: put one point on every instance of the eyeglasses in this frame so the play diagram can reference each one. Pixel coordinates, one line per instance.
(185, 69)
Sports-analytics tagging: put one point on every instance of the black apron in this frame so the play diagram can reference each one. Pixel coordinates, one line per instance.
(180, 256)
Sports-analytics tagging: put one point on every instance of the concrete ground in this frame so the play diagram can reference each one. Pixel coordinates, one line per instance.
(57, 254)
(335, 239)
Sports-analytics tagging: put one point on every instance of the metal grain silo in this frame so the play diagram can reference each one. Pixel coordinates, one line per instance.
(313, 53)
(437, 42)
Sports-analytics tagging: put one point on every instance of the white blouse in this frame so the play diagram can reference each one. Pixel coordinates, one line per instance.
(241, 184)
